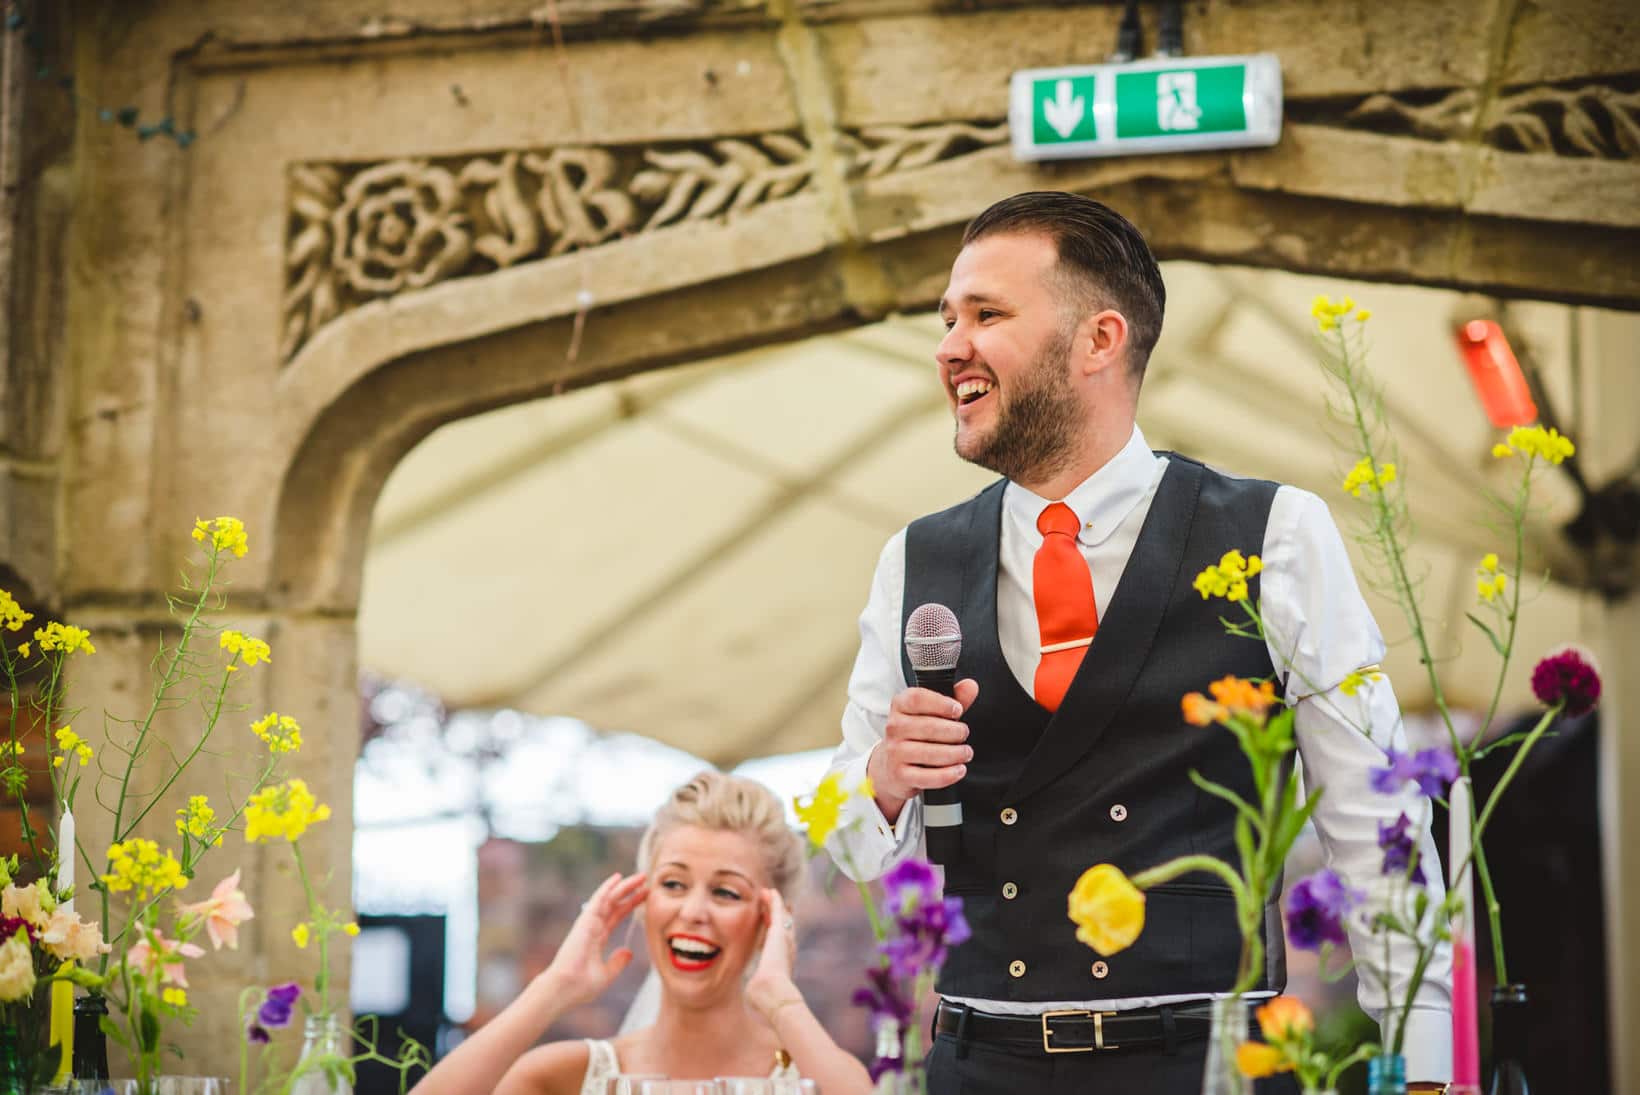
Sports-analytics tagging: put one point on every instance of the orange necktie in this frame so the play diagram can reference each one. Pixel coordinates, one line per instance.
(1066, 615)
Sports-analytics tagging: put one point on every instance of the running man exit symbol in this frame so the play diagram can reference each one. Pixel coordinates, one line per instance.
(1176, 106)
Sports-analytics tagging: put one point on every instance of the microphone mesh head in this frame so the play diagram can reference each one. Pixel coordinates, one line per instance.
(932, 638)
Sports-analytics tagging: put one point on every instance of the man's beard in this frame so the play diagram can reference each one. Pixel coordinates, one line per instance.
(1038, 424)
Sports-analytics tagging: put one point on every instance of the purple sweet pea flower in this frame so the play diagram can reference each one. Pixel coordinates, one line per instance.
(923, 938)
(1400, 851)
(276, 1006)
(1432, 769)
(1567, 674)
(910, 885)
(1316, 908)
(881, 996)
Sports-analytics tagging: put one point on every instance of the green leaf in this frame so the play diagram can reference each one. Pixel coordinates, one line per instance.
(106, 1025)
(1291, 821)
(1221, 791)
(1497, 643)
(1510, 739)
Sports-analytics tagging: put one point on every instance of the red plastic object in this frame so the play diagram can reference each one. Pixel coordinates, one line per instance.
(1495, 371)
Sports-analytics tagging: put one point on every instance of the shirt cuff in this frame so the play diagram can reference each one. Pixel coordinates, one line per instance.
(1428, 1045)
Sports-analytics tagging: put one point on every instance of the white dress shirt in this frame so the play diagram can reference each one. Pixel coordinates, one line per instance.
(1312, 609)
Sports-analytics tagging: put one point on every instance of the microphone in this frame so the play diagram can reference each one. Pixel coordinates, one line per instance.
(933, 641)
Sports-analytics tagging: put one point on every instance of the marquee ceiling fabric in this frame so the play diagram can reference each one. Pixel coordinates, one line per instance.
(684, 554)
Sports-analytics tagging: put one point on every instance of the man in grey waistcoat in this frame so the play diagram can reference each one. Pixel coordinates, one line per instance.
(1066, 752)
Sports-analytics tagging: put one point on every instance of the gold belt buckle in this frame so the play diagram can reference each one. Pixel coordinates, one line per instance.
(1098, 1018)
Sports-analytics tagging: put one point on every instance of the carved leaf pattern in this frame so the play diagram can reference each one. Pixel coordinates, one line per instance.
(1595, 121)
(358, 233)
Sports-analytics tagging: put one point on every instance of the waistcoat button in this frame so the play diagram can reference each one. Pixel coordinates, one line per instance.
(1010, 891)
(1118, 812)
(1100, 970)
(1010, 815)
(1016, 968)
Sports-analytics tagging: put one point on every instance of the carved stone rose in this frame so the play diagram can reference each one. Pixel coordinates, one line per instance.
(400, 225)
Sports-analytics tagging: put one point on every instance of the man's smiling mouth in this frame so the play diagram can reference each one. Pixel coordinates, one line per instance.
(973, 390)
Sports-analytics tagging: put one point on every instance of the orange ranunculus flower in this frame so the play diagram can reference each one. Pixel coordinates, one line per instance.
(1285, 1018)
(1257, 1060)
(1201, 711)
(1108, 910)
(1240, 694)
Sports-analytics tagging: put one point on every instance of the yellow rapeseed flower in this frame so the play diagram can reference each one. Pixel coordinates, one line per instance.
(1362, 477)
(1536, 441)
(12, 616)
(224, 534)
(24, 649)
(281, 732)
(175, 997)
(282, 812)
(138, 865)
(64, 637)
(1228, 578)
(1490, 582)
(1107, 909)
(1355, 681)
(300, 934)
(249, 649)
(351, 927)
(197, 818)
(1328, 315)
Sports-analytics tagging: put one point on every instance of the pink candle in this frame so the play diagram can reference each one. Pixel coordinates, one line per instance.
(1466, 1051)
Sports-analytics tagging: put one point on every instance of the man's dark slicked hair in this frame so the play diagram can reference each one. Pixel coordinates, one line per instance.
(1097, 246)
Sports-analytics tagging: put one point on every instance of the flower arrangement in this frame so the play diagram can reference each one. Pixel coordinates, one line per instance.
(1107, 906)
(142, 967)
(915, 928)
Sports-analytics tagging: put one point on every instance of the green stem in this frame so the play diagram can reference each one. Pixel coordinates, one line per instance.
(1184, 864)
(167, 682)
(321, 980)
(176, 773)
(1384, 530)
(1494, 912)
(1517, 518)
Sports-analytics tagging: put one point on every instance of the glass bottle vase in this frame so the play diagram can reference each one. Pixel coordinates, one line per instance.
(1229, 1030)
(324, 1067)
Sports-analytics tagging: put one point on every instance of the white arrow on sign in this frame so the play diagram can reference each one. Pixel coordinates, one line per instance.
(1064, 111)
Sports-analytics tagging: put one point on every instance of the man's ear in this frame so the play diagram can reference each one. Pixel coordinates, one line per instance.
(1102, 342)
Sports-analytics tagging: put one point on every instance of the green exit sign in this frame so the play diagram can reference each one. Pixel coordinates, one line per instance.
(1175, 104)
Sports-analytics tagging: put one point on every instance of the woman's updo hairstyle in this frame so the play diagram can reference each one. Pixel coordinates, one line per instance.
(713, 800)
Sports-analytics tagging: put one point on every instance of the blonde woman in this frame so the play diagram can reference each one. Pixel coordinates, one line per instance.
(715, 869)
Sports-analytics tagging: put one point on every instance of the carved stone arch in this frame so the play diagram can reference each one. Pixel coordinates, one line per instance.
(347, 434)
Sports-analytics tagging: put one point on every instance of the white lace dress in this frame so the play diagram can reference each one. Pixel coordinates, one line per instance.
(603, 1065)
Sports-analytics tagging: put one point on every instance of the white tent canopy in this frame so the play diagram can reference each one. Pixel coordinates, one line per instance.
(683, 554)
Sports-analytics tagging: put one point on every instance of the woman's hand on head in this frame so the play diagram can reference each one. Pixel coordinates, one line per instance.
(580, 971)
(771, 986)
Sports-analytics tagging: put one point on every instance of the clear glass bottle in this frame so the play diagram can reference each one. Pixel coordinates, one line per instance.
(1231, 1027)
(323, 1068)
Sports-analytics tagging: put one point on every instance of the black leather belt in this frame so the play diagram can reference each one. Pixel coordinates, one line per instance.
(1077, 1031)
